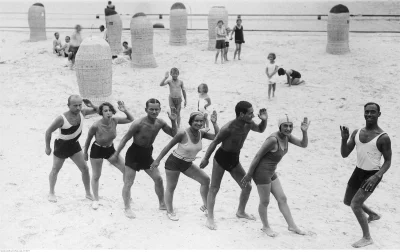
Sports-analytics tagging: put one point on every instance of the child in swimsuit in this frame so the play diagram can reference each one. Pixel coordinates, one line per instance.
(181, 160)
(220, 33)
(271, 71)
(204, 102)
(175, 89)
(262, 171)
(239, 39)
(293, 77)
(104, 131)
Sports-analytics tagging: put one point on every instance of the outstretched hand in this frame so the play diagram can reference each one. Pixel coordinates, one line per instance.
(88, 103)
(304, 124)
(173, 115)
(263, 115)
(345, 132)
(246, 180)
(166, 75)
(121, 106)
(213, 117)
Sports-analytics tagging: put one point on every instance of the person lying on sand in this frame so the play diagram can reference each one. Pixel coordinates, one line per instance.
(232, 136)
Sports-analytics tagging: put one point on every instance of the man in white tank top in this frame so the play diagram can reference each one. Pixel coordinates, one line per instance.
(66, 145)
(371, 143)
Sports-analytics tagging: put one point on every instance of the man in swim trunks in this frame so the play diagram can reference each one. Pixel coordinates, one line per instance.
(139, 155)
(371, 143)
(67, 145)
(232, 135)
(175, 87)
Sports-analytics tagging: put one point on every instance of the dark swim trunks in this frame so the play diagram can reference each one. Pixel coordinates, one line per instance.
(220, 44)
(138, 157)
(175, 164)
(295, 74)
(66, 148)
(227, 160)
(175, 102)
(359, 176)
(98, 151)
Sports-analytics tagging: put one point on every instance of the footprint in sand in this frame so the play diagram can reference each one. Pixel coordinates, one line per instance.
(25, 238)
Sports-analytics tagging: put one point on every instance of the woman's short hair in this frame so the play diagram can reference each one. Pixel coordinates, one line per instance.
(109, 105)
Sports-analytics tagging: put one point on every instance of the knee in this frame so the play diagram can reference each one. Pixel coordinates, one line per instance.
(247, 188)
(96, 177)
(355, 205)
(282, 199)
(214, 189)
(264, 202)
(205, 181)
(158, 180)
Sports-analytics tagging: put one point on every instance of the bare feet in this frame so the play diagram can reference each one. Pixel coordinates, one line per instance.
(89, 196)
(211, 224)
(297, 230)
(362, 243)
(373, 218)
(172, 216)
(95, 205)
(204, 209)
(246, 216)
(162, 206)
(130, 214)
(269, 232)
(52, 197)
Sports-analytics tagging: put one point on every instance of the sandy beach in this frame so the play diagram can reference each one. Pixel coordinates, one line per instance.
(36, 84)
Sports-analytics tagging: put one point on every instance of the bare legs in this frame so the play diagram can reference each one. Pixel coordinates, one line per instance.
(276, 189)
(271, 87)
(222, 55)
(158, 186)
(129, 177)
(77, 158)
(237, 51)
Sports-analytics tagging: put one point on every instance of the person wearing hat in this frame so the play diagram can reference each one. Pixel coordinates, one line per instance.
(262, 171)
(227, 158)
(181, 159)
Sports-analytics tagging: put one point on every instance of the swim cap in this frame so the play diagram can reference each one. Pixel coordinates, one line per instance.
(283, 119)
(193, 115)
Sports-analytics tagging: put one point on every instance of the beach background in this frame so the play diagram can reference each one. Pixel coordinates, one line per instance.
(36, 84)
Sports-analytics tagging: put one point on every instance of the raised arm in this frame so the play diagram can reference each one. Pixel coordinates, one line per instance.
(221, 136)
(92, 132)
(263, 115)
(164, 82)
(213, 120)
(267, 146)
(304, 141)
(384, 146)
(347, 147)
(57, 123)
(184, 94)
(166, 128)
(176, 139)
(92, 108)
(129, 117)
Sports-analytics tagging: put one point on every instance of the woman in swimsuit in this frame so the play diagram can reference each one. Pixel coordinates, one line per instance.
(293, 77)
(181, 159)
(239, 39)
(104, 131)
(262, 170)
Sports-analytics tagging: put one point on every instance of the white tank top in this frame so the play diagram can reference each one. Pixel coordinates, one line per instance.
(368, 155)
(189, 150)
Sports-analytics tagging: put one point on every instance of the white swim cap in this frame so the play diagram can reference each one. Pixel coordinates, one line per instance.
(284, 119)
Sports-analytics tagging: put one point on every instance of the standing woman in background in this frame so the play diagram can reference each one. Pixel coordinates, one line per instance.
(238, 30)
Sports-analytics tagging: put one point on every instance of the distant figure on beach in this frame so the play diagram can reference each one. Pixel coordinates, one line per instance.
(66, 145)
(127, 51)
(272, 71)
(181, 159)
(175, 88)
(104, 31)
(232, 136)
(293, 77)
(262, 171)
(220, 32)
(138, 157)
(204, 103)
(76, 40)
(371, 143)
(110, 5)
(239, 39)
(57, 45)
(228, 30)
(104, 131)
(65, 47)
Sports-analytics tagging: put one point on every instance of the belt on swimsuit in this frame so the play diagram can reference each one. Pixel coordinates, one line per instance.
(103, 146)
(183, 158)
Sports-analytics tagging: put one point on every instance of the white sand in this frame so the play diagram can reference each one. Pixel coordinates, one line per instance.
(35, 87)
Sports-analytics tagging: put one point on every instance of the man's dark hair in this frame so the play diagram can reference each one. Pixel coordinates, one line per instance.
(281, 71)
(373, 103)
(152, 101)
(124, 42)
(243, 107)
